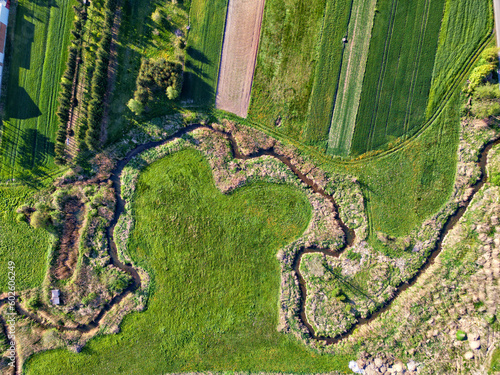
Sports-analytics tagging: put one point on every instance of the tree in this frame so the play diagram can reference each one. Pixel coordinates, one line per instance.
(135, 106)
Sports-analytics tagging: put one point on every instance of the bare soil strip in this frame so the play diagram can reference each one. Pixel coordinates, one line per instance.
(239, 55)
(68, 251)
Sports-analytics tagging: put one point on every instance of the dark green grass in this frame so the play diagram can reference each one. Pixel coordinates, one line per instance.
(466, 25)
(207, 18)
(138, 39)
(286, 63)
(37, 60)
(216, 281)
(19, 242)
(398, 73)
(326, 79)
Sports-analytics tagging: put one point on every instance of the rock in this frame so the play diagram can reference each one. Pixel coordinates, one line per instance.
(398, 366)
(412, 366)
(383, 369)
(378, 362)
(475, 345)
(355, 368)
(361, 363)
(469, 355)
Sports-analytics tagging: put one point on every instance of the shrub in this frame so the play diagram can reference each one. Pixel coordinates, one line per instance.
(495, 179)
(40, 219)
(34, 303)
(21, 218)
(135, 106)
(461, 335)
(157, 17)
(485, 109)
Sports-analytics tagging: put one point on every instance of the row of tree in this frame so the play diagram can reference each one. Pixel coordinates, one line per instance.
(66, 95)
(99, 81)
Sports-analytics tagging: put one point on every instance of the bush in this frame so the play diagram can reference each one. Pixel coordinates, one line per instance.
(461, 335)
(479, 75)
(21, 218)
(34, 303)
(40, 219)
(485, 109)
(495, 179)
(135, 106)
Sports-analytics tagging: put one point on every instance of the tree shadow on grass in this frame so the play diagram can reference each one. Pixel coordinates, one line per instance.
(24, 107)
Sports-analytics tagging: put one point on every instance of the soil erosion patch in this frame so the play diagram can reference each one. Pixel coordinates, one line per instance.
(239, 53)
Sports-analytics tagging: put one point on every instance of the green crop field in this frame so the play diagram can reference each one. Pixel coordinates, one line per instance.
(19, 242)
(207, 20)
(350, 84)
(214, 305)
(466, 26)
(398, 73)
(37, 59)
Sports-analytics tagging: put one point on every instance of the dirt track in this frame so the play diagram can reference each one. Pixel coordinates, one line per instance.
(239, 54)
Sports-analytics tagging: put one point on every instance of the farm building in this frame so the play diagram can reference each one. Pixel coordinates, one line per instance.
(4, 19)
(55, 297)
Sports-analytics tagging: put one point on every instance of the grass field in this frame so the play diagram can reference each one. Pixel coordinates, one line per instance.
(216, 281)
(350, 81)
(286, 63)
(398, 202)
(19, 242)
(466, 25)
(398, 74)
(207, 19)
(37, 60)
(327, 73)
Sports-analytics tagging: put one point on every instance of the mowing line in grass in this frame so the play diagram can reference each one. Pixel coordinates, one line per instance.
(351, 80)
(327, 73)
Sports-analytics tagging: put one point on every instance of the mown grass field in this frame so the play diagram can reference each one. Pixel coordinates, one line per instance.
(328, 71)
(286, 61)
(20, 242)
(350, 85)
(214, 305)
(398, 72)
(37, 60)
(207, 20)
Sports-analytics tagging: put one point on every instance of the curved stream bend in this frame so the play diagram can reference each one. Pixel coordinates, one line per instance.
(349, 234)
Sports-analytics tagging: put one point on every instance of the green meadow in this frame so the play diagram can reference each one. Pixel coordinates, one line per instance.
(214, 301)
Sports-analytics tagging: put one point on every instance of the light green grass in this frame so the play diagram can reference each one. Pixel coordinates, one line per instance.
(405, 187)
(286, 63)
(38, 58)
(327, 73)
(19, 242)
(398, 73)
(207, 18)
(466, 25)
(351, 77)
(214, 305)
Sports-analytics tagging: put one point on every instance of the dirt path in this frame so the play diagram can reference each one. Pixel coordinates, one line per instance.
(239, 55)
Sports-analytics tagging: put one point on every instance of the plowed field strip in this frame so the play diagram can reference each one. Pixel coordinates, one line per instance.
(239, 54)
